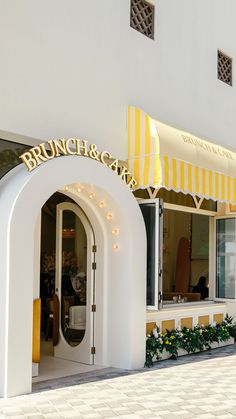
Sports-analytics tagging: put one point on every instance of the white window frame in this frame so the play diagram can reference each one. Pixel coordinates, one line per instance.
(212, 255)
(158, 254)
(221, 299)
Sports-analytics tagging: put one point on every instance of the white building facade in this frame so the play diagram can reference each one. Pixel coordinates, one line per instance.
(85, 75)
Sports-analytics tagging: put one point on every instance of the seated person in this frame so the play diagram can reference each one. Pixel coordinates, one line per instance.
(202, 288)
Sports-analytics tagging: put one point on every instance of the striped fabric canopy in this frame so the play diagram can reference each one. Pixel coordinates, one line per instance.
(164, 157)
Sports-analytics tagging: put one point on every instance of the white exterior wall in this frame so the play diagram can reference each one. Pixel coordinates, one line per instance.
(71, 69)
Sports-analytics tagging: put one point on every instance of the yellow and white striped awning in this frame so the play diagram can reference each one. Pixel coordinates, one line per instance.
(164, 157)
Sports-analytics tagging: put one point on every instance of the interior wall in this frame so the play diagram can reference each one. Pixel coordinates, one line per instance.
(177, 224)
(48, 232)
(199, 268)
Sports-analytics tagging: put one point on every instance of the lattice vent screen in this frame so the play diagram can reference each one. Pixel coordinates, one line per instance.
(142, 17)
(224, 68)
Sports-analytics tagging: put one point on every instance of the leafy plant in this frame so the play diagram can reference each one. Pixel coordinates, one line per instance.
(198, 338)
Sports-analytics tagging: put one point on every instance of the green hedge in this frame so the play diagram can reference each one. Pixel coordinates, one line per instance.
(199, 338)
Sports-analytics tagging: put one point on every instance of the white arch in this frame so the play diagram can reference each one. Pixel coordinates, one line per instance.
(121, 280)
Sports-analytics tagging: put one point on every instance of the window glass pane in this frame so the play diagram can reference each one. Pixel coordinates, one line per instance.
(225, 258)
(185, 257)
(9, 155)
(74, 286)
(149, 215)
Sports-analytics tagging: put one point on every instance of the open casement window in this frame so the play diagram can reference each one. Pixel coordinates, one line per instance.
(152, 211)
(225, 268)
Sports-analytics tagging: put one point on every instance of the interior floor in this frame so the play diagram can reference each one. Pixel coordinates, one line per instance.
(51, 367)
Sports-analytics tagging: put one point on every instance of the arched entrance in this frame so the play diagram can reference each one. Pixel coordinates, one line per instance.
(119, 332)
(67, 289)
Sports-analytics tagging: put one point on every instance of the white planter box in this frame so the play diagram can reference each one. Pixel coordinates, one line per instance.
(181, 352)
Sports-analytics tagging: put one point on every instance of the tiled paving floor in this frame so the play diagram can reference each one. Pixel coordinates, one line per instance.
(201, 386)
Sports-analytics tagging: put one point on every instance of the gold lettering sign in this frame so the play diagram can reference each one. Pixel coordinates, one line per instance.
(211, 148)
(75, 147)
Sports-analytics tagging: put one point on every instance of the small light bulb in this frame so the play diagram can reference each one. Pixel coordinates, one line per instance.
(66, 188)
(115, 231)
(109, 216)
(78, 189)
(91, 195)
(101, 204)
(115, 247)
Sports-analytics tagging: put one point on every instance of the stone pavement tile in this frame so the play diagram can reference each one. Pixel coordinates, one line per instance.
(96, 405)
(10, 411)
(151, 405)
(232, 411)
(145, 413)
(14, 417)
(35, 416)
(70, 414)
(152, 416)
(106, 413)
(227, 416)
(29, 409)
(116, 403)
(129, 416)
(47, 409)
(133, 407)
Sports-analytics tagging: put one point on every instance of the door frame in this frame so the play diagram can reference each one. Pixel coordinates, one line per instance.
(83, 352)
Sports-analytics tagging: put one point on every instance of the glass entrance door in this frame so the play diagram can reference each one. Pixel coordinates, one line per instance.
(75, 283)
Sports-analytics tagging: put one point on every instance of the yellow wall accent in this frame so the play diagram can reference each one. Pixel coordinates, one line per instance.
(222, 187)
(150, 327)
(129, 133)
(157, 171)
(187, 322)
(182, 176)
(204, 181)
(147, 151)
(217, 185)
(228, 188)
(190, 177)
(218, 318)
(234, 196)
(36, 330)
(210, 182)
(137, 144)
(203, 320)
(196, 179)
(167, 325)
(174, 173)
(166, 171)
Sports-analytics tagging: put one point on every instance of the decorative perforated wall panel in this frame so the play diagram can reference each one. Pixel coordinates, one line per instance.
(142, 17)
(224, 68)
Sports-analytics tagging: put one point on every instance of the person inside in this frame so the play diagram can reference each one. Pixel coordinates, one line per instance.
(202, 288)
